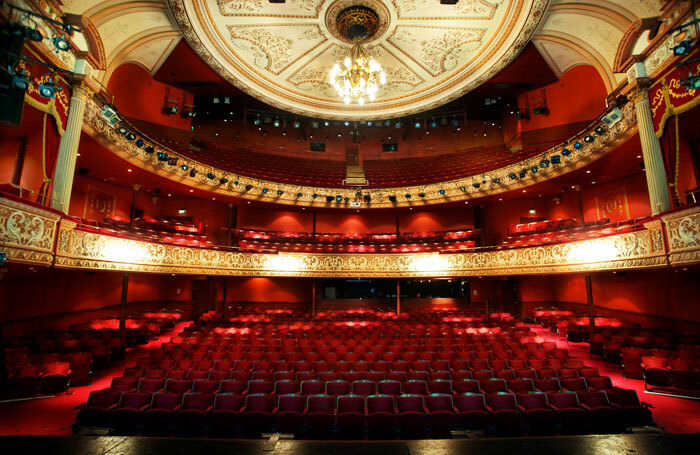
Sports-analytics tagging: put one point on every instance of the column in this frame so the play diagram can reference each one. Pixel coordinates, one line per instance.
(313, 298)
(132, 210)
(589, 297)
(68, 150)
(225, 297)
(398, 297)
(651, 150)
(487, 299)
(122, 313)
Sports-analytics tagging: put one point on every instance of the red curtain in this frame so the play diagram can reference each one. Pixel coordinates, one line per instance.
(51, 141)
(669, 150)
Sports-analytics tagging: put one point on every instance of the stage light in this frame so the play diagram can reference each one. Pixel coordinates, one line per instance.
(193, 172)
(476, 185)
(49, 88)
(398, 125)
(534, 169)
(339, 198)
(600, 131)
(130, 137)
(172, 161)
(150, 149)
(577, 145)
(532, 211)
(329, 198)
(20, 81)
(442, 191)
(162, 156)
(367, 198)
(682, 48)
(276, 123)
(265, 190)
(347, 199)
(184, 167)
(216, 100)
(455, 122)
(417, 125)
(392, 198)
(523, 173)
(121, 130)
(463, 188)
(369, 123)
(296, 124)
(589, 138)
(300, 194)
(407, 196)
(248, 187)
(496, 181)
(280, 192)
(314, 195)
(223, 180)
(556, 159)
(513, 176)
(256, 122)
(566, 152)
(326, 123)
(227, 100)
(544, 164)
(173, 109)
(433, 124)
(691, 82)
(61, 43)
(210, 176)
(139, 142)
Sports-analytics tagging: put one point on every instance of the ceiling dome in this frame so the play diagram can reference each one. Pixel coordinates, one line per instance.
(282, 53)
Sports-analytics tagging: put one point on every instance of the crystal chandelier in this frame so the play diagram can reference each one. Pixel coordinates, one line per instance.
(359, 77)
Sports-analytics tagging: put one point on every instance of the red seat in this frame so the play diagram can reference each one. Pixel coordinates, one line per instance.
(257, 386)
(381, 415)
(364, 387)
(151, 385)
(158, 419)
(572, 417)
(604, 416)
(389, 387)
(95, 413)
(547, 385)
(472, 411)
(493, 385)
(600, 383)
(320, 414)
(539, 417)
(415, 387)
(506, 418)
(351, 415)
(412, 415)
(441, 413)
(232, 386)
(225, 415)
(127, 417)
(337, 387)
(574, 384)
(517, 386)
(55, 378)
(312, 387)
(193, 413)
(289, 414)
(178, 386)
(257, 415)
(634, 412)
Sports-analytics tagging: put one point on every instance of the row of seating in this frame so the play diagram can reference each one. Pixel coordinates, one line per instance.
(256, 245)
(404, 237)
(352, 416)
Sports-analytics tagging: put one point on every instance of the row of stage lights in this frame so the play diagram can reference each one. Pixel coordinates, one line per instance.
(544, 164)
(398, 124)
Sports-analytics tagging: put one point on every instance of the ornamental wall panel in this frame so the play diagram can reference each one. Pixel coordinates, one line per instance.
(27, 233)
(683, 236)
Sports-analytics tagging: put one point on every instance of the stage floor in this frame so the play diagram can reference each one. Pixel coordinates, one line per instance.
(630, 444)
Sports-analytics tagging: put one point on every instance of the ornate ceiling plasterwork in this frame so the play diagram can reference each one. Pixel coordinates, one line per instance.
(432, 54)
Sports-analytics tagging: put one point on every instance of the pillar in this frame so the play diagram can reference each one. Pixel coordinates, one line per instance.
(122, 313)
(132, 209)
(398, 297)
(589, 298)
(313, 298)
(225, 296)
(651, 150)
(486, 297)
(68, 150)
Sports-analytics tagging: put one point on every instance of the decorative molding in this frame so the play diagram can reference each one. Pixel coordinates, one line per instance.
(683, 236)
(27, 233)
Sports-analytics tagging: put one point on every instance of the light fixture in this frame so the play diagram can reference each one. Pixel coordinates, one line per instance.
(577, 145)
(682, 48)
(442, 191)
(149, 149)
(555, 159)
(280, 192)
(20, 80)
(61, 43)
(359, 76)
(210, 176)
(48, 88)
(589, 138)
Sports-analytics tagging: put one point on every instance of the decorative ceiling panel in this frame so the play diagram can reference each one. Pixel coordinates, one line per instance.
(282, 53)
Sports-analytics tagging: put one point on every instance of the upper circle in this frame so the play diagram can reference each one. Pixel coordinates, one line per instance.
(282, 53)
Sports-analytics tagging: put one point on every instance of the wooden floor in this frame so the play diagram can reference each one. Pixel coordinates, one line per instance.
(630, 444)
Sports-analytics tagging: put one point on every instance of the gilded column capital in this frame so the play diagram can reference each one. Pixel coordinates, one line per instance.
(81, 90)
(640, 92)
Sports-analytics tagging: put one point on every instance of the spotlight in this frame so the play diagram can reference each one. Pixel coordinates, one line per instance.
(392, 198)
(49, 88)
(329, 198)
(173, 109)
(398, 125)
(256, 122)
(347, 199)
(265, 190)
(577, 145)
(223, 180)
(216, 100)
(325, 123)
(314, 195)
(421, 194)
(338, 198)
(130, 136)
(369, 123)
(296, 124)
(417, 125)
(407, 196)
(544, 164)
(61, 43)
(534, 169)
(367, 198)
(300, 194)
(512, 176)
(248, 187)
(600, 131)
(589, 138)
(20, 81)
(566, 152)
(172, 161)
(682, 48)
(476, 185)
(210, 176)
(497, 181)
(276, 123)
(556, 159)
(193, 172)
(347, 123)
(463, 188)
(442, 191)
(29, 33)
(184, 167)
(523, 173)
(122, 130)
(149, 149)
(691, 82)
(433, 124)
(139, 142)
(280, 192)
(227, 100)
(162, 156)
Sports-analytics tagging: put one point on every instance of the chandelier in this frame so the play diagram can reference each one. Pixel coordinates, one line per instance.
(359, 76)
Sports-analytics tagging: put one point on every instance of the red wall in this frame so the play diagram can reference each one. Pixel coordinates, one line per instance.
(138, 95)
(498, 216)
(361, 223)
(438, 220)
(268, 290)
(275, 220)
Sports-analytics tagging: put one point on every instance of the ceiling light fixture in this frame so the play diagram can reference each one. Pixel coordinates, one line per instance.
(359, 76)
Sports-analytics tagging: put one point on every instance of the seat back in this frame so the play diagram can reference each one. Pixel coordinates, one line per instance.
(351, 403)
(165, 400)
(410, 403)
(364, 387)
(205, 386)
(290, 402)
(178, 386)
(414, 386)
(321, 403)
(229, 402)
(260, 386)
(337, 387)
(103, 398)
(197, 401)
(470, 402)
(122, 384)
(259, 402)
(502, 401)
(547, 385)
(286, 386)
(151, 385)
(493, 385)
(532, 400)
(592, 398)
(520, 385)
(380, 403)
(312, 387)
(563, 399)
(439, 402)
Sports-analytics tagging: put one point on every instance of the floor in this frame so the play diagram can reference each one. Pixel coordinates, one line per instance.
(54, 416)
(646, 444)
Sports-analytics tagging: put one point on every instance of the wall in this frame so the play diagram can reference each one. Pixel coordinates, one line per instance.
(267, 290)
(498, 216)
(138, 95)
(275, 220)
(213, 215)
(437, 220)
(379, 222)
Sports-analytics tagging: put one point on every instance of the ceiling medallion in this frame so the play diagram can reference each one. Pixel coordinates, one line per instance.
(360, 76)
